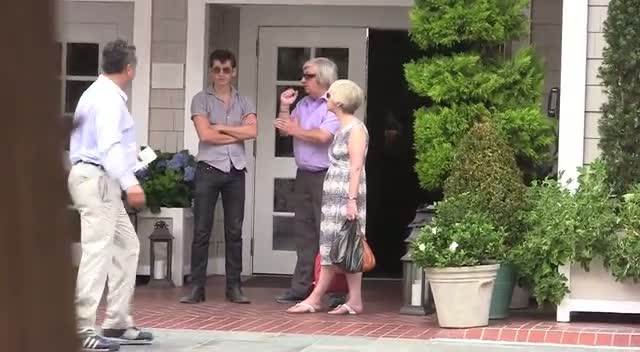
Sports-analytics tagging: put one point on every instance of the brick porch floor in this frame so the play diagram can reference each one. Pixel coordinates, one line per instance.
(159, 308)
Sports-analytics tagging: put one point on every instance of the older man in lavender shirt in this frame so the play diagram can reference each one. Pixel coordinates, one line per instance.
(312, 127)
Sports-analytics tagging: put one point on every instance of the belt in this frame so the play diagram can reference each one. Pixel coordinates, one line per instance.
(313, 171)
(88, 163)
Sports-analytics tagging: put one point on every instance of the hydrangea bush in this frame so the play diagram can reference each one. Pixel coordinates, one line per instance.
(461, 235)
(168, 181)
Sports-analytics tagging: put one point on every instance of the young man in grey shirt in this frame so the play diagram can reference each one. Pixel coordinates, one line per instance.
(223, 119)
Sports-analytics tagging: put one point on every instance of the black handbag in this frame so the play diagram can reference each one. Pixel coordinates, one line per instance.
(347, 249)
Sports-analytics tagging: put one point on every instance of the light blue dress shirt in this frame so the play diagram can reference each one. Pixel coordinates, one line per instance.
(105, 134)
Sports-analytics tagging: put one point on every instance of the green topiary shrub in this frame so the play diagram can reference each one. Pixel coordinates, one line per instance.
(449, 23)
(620, 73)
(485, 167)
(471, 79)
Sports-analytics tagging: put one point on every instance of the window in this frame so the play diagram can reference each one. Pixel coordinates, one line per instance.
(289, 73)
(79, 66)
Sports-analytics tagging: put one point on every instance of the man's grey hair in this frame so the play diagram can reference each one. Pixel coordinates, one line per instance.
(116, 55)
(327, 70)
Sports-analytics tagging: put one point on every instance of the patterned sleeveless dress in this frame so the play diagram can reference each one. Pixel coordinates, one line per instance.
(335, 190)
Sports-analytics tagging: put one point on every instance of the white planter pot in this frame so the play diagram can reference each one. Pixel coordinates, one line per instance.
(462, 295)
(520, 298)
(597, 291)
(180, 224)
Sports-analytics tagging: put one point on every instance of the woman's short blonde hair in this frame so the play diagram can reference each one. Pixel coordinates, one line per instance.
(347, 94)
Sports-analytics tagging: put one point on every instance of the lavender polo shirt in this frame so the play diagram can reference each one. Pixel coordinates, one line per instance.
(312, 113)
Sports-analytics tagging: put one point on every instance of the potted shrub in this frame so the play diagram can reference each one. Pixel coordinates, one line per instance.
(459, 252)
(168, 187)
(168, 181)
(622, 259)
(563, 228)
(485, 166)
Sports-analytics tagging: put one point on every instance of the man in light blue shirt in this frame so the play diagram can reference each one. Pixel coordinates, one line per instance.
(103, 153)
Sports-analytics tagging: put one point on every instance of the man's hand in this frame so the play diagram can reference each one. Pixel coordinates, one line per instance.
(288, 97)
(135, 196)
(288, 126)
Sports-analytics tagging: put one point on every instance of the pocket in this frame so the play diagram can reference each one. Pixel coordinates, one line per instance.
(103, 188)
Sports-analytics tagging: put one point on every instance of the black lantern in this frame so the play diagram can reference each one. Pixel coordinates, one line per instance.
(416, 297)
(161, 234)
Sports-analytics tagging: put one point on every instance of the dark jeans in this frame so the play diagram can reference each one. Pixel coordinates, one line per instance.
(209, 182)
(308, 194)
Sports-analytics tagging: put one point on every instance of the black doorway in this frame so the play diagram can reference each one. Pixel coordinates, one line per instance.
(393, 193)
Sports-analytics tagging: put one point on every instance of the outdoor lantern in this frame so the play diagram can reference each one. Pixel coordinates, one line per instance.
(416, 296)
(161, 234)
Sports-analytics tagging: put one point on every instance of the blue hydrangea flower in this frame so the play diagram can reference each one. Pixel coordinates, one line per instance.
(189, 173)
(174, 164)
(178, 161)
(161, 165)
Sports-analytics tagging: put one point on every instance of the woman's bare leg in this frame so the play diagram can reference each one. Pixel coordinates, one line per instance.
(354, 281)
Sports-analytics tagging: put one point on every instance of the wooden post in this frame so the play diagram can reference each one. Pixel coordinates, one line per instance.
(36, 278)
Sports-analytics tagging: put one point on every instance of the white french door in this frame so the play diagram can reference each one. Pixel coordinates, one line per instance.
(282, 52)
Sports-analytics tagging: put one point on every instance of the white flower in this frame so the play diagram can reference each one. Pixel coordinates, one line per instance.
(422, 247)
(434, 230)
(453, 246)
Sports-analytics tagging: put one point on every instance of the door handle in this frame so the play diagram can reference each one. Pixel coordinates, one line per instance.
(553, 103)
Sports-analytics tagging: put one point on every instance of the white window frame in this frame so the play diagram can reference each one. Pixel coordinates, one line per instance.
(64, 77)
(141, 86)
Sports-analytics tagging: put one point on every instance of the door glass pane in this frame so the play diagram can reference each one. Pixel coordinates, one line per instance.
(338, 55)
(283, 234)
(58, 49)
(82, 59)
(290, 61)
(284, 144)
(283, 195)
(73, 91)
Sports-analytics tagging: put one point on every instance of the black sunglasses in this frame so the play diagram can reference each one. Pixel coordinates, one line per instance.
(225, 70)
(308, 75)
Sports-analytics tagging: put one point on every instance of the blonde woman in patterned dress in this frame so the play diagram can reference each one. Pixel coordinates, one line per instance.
(343, 195)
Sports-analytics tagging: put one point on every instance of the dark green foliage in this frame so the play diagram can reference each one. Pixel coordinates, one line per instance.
(448, 23)
(473, 81)
(620, 73)
(485, 167)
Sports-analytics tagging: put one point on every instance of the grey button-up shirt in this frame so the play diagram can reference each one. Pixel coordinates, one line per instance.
(206, 103)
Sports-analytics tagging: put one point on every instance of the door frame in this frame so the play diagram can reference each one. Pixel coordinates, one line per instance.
(268, 260)
(141, 86)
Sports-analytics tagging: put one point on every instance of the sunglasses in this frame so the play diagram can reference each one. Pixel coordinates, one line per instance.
(225, 70)
(308, 75)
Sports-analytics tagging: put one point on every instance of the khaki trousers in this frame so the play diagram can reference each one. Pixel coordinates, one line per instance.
(110, 249)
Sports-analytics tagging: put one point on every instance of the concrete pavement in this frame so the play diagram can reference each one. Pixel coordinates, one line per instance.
(213, 341)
